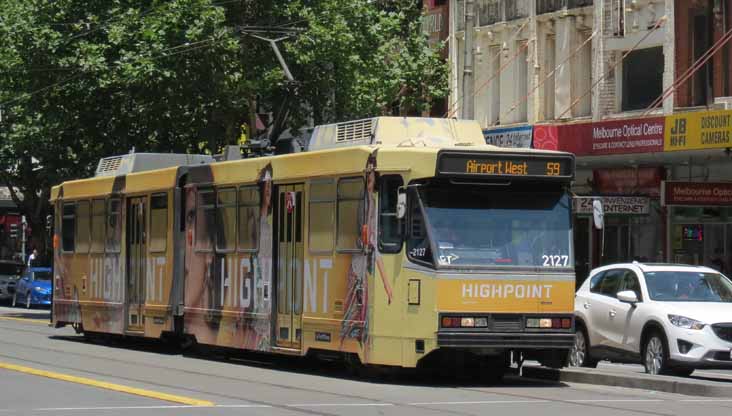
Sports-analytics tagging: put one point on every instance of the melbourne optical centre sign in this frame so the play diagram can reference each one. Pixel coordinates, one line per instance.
(613, 205)
(696, 193)
(603, 138)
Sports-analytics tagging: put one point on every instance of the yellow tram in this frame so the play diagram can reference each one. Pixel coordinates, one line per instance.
(389, 239)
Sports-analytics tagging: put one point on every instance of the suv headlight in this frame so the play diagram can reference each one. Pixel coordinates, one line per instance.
(39, 289)
(684, 322)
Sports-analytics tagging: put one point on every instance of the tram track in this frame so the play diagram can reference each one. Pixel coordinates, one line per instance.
(313, 409)
(347, 397)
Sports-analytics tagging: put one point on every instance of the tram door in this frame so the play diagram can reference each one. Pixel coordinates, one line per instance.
(136, 260)
(290, 257)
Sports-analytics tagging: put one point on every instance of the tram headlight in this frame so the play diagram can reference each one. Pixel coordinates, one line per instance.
(467, 322)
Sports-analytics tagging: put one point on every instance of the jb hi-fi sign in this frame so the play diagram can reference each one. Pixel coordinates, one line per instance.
(696, 193)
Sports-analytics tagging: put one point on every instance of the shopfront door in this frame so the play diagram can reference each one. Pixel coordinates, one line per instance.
(617, 244)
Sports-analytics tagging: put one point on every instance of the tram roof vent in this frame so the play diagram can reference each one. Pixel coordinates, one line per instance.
(140, 162)
(397, 131)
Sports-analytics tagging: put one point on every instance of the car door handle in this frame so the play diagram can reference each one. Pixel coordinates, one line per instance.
(612, 313)
(586, 305)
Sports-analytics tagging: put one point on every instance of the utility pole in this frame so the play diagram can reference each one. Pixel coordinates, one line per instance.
(23, 226)
(468, 83)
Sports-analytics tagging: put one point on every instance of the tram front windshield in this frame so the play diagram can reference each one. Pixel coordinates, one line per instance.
(492, 226)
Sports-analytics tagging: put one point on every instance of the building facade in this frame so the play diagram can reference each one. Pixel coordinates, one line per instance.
(639, 90)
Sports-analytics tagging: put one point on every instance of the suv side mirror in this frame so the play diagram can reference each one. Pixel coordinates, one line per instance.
(628, 296)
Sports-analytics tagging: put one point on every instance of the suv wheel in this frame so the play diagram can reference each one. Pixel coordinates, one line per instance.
(579, 355)
(655, 354)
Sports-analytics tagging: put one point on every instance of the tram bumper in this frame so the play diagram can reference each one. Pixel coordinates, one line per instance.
(522, 341)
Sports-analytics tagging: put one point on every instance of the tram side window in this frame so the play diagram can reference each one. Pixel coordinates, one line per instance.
(350, 215)
(82, 227)
(97, 226)
(158, 222)
(205, 219)
(114, 226)
(248, 218)
(226, 219)
(390, 236)
(68, 227)
(418, 245)
(321, 216)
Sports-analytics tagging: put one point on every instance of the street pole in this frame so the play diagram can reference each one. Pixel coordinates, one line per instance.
(468, 84)
(22, 238)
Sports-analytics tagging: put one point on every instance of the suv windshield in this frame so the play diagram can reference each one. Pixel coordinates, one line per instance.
(688, 287)
(483, 225)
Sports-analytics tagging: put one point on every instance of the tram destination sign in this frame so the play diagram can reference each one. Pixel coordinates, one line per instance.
(508, 165)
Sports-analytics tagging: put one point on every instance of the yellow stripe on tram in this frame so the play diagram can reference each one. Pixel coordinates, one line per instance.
(108, 386)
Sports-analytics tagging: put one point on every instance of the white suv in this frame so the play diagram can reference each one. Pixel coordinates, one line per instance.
(671, 318)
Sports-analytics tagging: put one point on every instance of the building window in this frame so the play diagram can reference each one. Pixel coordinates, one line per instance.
(522, 83)
(642, 78)
(549, 73)
(350, 207)
(158, 222)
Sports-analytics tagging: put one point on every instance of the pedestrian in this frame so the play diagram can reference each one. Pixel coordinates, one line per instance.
(32, 258)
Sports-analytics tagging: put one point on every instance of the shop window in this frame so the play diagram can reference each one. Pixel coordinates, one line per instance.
(97, 226)
(158, 222)
(68, 227)
(390, 235)
(350, 214)
(113, 235)
(82, 227)
(226, 219)
(642, 78)
(321, 216)
(205, 219)
(248, 218)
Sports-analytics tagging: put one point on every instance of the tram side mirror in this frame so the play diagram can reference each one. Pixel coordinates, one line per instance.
(401, 208)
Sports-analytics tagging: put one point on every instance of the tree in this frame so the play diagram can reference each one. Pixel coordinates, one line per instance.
(362, 58)
(83, 79)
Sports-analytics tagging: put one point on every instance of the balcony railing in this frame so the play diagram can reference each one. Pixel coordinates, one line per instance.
(549, 6)
(494, 11)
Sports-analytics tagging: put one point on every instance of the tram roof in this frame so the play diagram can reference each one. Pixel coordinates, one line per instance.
(419, 161)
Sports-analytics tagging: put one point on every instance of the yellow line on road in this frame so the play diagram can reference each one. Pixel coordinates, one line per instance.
(33, 321)
(109, 386)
